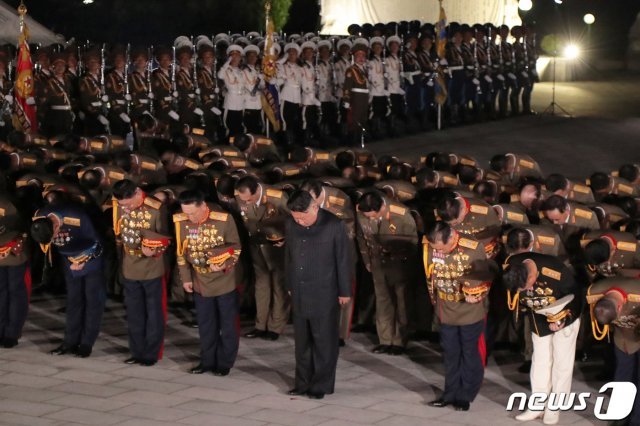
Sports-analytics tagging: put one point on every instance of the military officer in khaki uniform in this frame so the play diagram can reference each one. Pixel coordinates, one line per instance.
(572, 219)
(458, 278)
(560, 185)
(337, 202)
(261, 205)
(387, 239)
(208, 248)
(610, 253)
(355, 93)
(142, 269)
(56, 106)
(513, 167)
(15, 278)
(615, 303)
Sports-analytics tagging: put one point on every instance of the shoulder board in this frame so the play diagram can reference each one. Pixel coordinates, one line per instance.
(2, 212)
(336, 200)
(479, 209)
(546, 241)
(585, 214)
(292, 172)
(192, 164)
(626, 246)
(470, 244)
(264, 141)
(116, 175)
(397, 209)
(518, 217)
(581, 189)
(230, 153)
(322, 156)
(274, 193)
(152, 202)
(71, 221)
(551, 273)
(467, 162)
(450, 180)
(527, 164)
(179, 217)
(238, 163)
(515, 198)
(198, 132)
(625, 188)
(222, 217)
(148, 165)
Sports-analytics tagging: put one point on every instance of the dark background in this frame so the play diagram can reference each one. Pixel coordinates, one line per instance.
(161, 21)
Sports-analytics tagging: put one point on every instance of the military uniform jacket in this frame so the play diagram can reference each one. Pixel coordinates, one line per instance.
(399, 190)
(555, 280)
(524, 166)
(355, 88)
(511, 214)
(128, 227)
(396, 224)
(376, 73)
(580, 193)
(341, 65)
(325, 81)
(625, 334)
(116, 89)
(13, 231)
(233, 79)
(161, 87)
(291, 76)
(394, 84)
(545, 240)
(139, 90)
(186, 89)
(465, 270)
(208, 87)
(90, 95)
(625, 252)
(481, 222)
(195, 242)
(252, 93)
(77, 236)
(580, 218)
(40, 82)
(57, 94)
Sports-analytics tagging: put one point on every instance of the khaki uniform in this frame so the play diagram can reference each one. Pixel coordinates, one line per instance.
(355, 92)
(139, 89)
(272, 303)
(264, 151)
(625, 255)
(398, 190)
(392, 270)
(481, 222)
(511, 214)
(56, 107)
(162, 95)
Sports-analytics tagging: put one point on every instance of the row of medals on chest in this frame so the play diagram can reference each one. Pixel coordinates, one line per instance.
(132, 223)
(201, 239)
(447, 272)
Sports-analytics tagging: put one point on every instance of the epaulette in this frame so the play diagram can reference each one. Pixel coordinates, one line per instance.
(264, 141)
(336, 200)
(518, 217)
(71, 221)
(148, 165)
(483, 210)
(585, 214)
(624, 246)
(152, 202)
(546, 241)
(551, 273)
(470, 244)
(322, 156)
(179, 217)
(274, 193)
(222, 217)
(116, 175)
(397, 210)
(193, 165)
(526, 163)
(627, 189)
(581, 189)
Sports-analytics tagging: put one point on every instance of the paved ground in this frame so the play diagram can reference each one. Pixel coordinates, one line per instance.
(38, 389)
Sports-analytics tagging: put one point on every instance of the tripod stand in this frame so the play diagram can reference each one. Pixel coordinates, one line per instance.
(551, 109)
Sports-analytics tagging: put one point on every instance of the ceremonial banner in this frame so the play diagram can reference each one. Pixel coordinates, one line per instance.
(270, 97)
(24, 115)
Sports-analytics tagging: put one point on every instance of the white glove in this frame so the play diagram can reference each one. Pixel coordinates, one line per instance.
(512, 76)
(81, 115)
(216, 111)
(488, 79)
(105, 98)
(175, 94)
(216, 90)
(125, 118)
(9, 99)
(347, 105)
(430, 83)
(198, 111)
(127, 98)
(151, 96)
(197, 91)
(103, 120)
(174, 115)
(525, 74)
(444, 62)
(476, 81)
(31, 101)
(500, 77)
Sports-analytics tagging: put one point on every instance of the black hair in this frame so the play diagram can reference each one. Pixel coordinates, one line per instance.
(299, 201)
(628, 172)
(448, 207)
(91, 180)
(556, 182)
(313, 186)
(345, 159)
(605, 311)
(515, 277)
(42, 230)
(597, 252)
(242, 142)
(191, 196)
(633, 227)
(498, 163)
(599, 181)
(467, 175)
(518, 239)
(248, 183)
(440, 161)
(370, 202)
(70, 143)
(300, 154)
(627, 204)
(424, 177)
(226, 185)
(124, 189)
(486, 189)
(438, 230)
(122, 160)
(399, 171)
(555, 202)
(384, 162)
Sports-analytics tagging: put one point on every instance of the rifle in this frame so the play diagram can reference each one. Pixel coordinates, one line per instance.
(385, 75)
(476, 65)
(127, 93)
(501, 62)
(334, 77)
(103, 94)
(80, 65)
(149, 72)
(174, 91)
(196, 86)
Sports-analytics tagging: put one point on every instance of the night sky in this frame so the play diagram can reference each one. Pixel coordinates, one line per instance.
(160, 21)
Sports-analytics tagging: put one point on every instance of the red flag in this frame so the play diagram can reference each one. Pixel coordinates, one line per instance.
(24, 115)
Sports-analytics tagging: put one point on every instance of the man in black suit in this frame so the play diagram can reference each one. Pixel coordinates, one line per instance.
(318, 270)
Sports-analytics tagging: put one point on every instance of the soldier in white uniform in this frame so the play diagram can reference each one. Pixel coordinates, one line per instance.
(341, 65)
(326, 85)
(233, 79)
(253, 120)
(394, 84)
(290, 77)
(310, 102)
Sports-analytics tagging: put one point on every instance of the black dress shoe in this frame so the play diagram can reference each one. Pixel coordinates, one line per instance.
(341, 343)
(131, 361)
(313, 395)
(221, 372)
(461, 405)
(270, 335)
(396, 350)
(525, 368)
(83, 351)
(295, 392)
(381, 349)
(199, 369)
(255, 333)
(438, 403)
(63, 349)
(148, 362)
(9, 343)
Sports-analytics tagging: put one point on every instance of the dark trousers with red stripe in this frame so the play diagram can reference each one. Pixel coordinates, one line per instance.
(463, 362)
(14, 300)
(145, 317)
(628, 370)
(86, 296)
(219, 328)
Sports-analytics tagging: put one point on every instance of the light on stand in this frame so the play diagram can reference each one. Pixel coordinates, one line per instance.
(589, 19)
(571, 51)
(525, 5)
(87, 1)
(558, 1)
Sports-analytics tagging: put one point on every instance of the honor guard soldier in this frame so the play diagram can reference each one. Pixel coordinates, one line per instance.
(69, 230)
(92, 100)
(208, 248)
(387, 238)
(231, 75)
(457, 74)
(140, 84)
(394, 80)
(252, 116)
(615, 303)
(57, 104)
(311, 112)
(337, 202)
(521, 65)
(163, 95)
(355, 93)
(379, 96)
(260, 205)
(6, 96)
(547, 288)
(508, 92)
(609, 253)
(15, 277)
(471, 81)
(342, 63)
(290, 75)
(427, 61)
(73, 73)
(326, 87)
(117, 89)
(458, 279)
(188, 96)
(208, 85)
(140, 226)
(40, 81)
